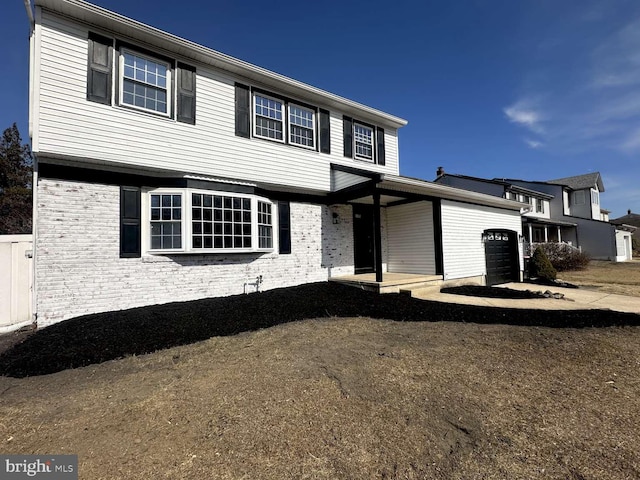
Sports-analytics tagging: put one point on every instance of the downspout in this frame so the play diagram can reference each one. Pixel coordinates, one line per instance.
(34, 180)
(27, 6)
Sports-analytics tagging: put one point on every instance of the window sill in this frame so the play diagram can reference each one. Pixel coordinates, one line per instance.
(152, 254)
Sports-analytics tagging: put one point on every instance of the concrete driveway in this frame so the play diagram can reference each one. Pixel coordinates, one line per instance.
(574, 299)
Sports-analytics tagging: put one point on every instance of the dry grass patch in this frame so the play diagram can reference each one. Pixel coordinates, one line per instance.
(622, 278)
(347, 398)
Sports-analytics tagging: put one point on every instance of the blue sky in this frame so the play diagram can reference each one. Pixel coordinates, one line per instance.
(533, 89)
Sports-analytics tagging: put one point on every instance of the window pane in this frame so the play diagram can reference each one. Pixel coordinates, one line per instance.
(197, 242)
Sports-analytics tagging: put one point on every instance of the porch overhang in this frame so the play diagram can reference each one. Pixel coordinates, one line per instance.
(548, 222)
(363, 185)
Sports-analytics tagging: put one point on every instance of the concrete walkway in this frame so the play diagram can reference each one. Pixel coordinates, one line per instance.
(574, 299)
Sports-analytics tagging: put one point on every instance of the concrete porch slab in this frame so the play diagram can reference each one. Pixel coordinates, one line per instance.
(391, 282)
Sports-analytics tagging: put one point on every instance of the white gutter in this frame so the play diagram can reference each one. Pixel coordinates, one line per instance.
(92, 14)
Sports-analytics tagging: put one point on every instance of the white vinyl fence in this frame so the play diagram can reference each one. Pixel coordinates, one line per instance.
(16, 281)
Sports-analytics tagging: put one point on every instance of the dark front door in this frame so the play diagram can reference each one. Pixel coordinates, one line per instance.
(501, 253)
(363, 239)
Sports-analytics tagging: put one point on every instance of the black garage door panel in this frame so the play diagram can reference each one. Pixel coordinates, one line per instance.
(501, 256)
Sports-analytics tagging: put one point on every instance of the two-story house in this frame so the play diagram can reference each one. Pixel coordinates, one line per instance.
(562, 210)
(167, 171)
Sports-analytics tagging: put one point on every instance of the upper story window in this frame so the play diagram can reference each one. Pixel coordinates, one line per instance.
(539, 205)
(595, 197)
(276, 118)
(191, 221)
(268, 118)
(302, 126)
(579, 197)
(363, 141)
(144, 82)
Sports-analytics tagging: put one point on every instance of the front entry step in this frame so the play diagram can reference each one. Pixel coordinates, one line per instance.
(391, 282)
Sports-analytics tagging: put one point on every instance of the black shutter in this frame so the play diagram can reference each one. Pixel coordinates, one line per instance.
(243, 112)
(347, 124)
(325, 132)
(99, 69)
(186, 94)
(284, 227)
(380, 143)
(130, 211)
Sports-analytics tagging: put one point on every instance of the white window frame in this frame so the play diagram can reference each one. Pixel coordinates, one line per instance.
(539, 205)
(283, 112)
(290, 125)
(595, 197)
(146, 218)
(187, 221)
(121, 79)
(371, 159)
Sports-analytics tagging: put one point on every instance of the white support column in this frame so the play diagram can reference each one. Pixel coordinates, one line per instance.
(530, 234)
(559, 236)
(546, 234)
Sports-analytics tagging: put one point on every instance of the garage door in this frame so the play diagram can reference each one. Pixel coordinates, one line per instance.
(501, 253)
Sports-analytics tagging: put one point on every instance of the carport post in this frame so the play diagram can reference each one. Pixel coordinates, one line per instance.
(377, 235)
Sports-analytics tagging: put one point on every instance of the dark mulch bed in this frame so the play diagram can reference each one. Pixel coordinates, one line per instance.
(101, 337)
(492, 292)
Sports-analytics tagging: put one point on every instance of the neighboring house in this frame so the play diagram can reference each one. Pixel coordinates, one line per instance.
(628, 224)
(167, 171)
(562, 210)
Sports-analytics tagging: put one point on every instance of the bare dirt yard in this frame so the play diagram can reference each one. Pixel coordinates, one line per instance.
(622, 278)
(332, 398)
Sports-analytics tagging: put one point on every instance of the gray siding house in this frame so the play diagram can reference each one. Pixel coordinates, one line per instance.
(561, 210)
(168, 171)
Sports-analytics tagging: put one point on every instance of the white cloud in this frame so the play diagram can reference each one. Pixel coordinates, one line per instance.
(533, 143)
(523, 114)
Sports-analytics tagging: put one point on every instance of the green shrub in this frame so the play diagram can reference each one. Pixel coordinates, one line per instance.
(564, 257)
(540, 266)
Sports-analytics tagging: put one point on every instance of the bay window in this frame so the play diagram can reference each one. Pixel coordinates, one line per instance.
(200, 221)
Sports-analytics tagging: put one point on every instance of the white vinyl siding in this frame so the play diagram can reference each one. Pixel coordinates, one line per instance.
(462, 227)
(71, 126)
(410, 239)
(340, 180)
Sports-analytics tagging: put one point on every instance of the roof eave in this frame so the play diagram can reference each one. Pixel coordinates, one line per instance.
(452, 193)
(119, 24)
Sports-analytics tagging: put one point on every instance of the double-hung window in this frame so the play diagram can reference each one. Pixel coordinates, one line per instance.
(265, 225)
(268, 117)
(302, 126)
(539, 205)
(145, 82)
(363, 140)
(166, 221)
(201, 221)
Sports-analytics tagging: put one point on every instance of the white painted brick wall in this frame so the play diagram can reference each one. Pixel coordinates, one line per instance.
(79, 270)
